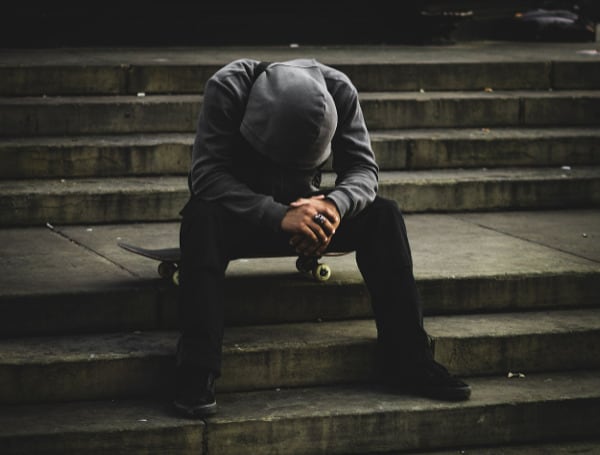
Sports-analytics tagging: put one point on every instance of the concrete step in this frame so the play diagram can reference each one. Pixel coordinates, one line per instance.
(160, 198)
(96, 156)
(134, 428)
(127, 365)
(35, 116)
(586, 446)
(463, 66)
(464, 263)
(159, 154)
(341, 419)
(359, 419)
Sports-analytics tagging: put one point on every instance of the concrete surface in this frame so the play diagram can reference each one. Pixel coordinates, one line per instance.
(470, 66)
(590, 447)
(160, 198)
(460, 266)
(121, 365)
(359, 420)
(98, 428)
(159, 154)
(572, 231)
(341, 419)
(38, 116)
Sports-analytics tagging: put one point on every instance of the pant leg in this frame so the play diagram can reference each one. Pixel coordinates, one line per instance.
(210, 237)
(379, 237)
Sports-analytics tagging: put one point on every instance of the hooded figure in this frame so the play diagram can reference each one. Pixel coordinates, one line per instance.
(291, 117)
(294, 115)
(263, 135)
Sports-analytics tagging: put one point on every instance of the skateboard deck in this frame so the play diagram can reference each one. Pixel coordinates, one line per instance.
(168, 267)
(169, 258)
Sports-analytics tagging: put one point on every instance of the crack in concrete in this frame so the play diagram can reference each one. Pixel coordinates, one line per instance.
(90, 250)
(525, 239)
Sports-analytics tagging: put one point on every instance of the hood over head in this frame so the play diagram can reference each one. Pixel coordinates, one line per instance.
(290, 116)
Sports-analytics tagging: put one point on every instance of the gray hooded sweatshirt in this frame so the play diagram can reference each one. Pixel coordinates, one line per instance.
(261, 141)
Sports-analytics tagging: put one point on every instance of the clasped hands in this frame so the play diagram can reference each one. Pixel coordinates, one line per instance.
(311, 236)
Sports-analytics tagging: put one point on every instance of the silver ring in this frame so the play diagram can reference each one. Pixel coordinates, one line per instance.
(319, 219)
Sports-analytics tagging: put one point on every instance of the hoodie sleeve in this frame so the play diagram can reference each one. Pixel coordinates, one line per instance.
(353, 158)
(212, 177)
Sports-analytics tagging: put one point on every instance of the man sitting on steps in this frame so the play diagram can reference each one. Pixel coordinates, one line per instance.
(263, 134)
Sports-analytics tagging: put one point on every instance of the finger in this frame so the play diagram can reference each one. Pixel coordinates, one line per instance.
(305, 247)
(295, 240)
(328, 227)
(303, 201)
(320, 251)
(317, 228)
(300, 202)
(308, 234)
(330, 214)
(309, 248)
(309, 244)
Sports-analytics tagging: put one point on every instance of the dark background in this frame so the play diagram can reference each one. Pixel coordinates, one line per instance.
(225, 22)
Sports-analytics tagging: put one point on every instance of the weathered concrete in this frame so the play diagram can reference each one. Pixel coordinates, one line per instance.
(485, 109)
(48, 283)
(354, 419)
(485, 147)
(31, 116)
(112, 200)
(360, 420)
(519, 342)
(104, 156)
(587, 447)
(288, 355)
(152, 154)
(463, 66)
(33, 202)
(138, 428)
(572, 231)
(489, 189)
(460, 267)
(61, 116)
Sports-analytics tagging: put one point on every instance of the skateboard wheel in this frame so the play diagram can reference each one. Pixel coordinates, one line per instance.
(166, 270)
(321, 272)
(305, 264)
(175, 278)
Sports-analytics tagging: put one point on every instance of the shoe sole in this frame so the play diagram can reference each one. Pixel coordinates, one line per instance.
(196, 412)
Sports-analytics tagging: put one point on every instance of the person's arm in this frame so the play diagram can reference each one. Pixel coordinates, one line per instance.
(214, 148)
(353, 158)
(356, 169)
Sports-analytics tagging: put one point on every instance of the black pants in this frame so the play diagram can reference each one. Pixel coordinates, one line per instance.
(211, 236)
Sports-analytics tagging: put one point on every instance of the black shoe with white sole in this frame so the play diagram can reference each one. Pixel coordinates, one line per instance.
(195, 396)
(428, 379)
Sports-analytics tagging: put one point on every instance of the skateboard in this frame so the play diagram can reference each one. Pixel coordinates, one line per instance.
(168, 266)
(169, 258)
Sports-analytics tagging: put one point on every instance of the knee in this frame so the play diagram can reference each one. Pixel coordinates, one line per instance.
(384, 208)
(201, 213)
(201, 219)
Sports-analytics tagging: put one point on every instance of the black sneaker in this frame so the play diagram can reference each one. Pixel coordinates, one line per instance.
(431, 380)
(195, 395)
